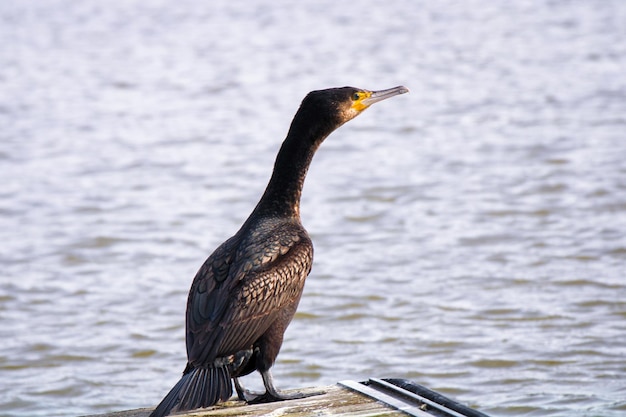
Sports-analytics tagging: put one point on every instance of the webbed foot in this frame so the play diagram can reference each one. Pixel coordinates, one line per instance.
(271, 393)
(282, 396)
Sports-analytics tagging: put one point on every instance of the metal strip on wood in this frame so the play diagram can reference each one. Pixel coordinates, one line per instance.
(410, 398)
(389, 400)
(404, 393)
(412, 389)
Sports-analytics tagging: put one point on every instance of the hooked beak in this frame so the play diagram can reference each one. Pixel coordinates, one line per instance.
(377, 96)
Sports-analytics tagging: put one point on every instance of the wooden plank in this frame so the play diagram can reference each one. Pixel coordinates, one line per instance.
(336, 401)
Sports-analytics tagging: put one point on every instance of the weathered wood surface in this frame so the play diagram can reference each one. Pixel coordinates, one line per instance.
(336, 401)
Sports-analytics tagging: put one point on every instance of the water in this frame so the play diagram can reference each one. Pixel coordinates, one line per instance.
(469, 236)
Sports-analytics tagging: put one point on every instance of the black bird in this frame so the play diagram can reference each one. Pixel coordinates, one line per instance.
(246, 293)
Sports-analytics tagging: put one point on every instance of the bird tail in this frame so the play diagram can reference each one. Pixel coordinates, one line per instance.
(199, 387)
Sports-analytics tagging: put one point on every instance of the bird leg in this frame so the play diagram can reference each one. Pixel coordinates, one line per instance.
(244, 394)
(271, 393)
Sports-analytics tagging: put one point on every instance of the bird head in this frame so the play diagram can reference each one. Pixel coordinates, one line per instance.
(357, 100)
(325, 110)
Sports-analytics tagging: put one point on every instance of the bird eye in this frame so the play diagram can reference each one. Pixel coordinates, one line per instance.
(356, 96)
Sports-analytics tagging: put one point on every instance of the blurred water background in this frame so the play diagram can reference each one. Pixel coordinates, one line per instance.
(470, 236)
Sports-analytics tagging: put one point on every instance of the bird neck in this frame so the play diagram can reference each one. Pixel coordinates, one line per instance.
(283, 192)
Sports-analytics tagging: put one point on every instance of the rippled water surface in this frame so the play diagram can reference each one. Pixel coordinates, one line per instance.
(470, 236)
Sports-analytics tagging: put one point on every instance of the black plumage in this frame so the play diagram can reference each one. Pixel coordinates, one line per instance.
(246, 293)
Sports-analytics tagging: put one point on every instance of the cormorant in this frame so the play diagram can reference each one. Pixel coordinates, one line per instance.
(246, 293)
